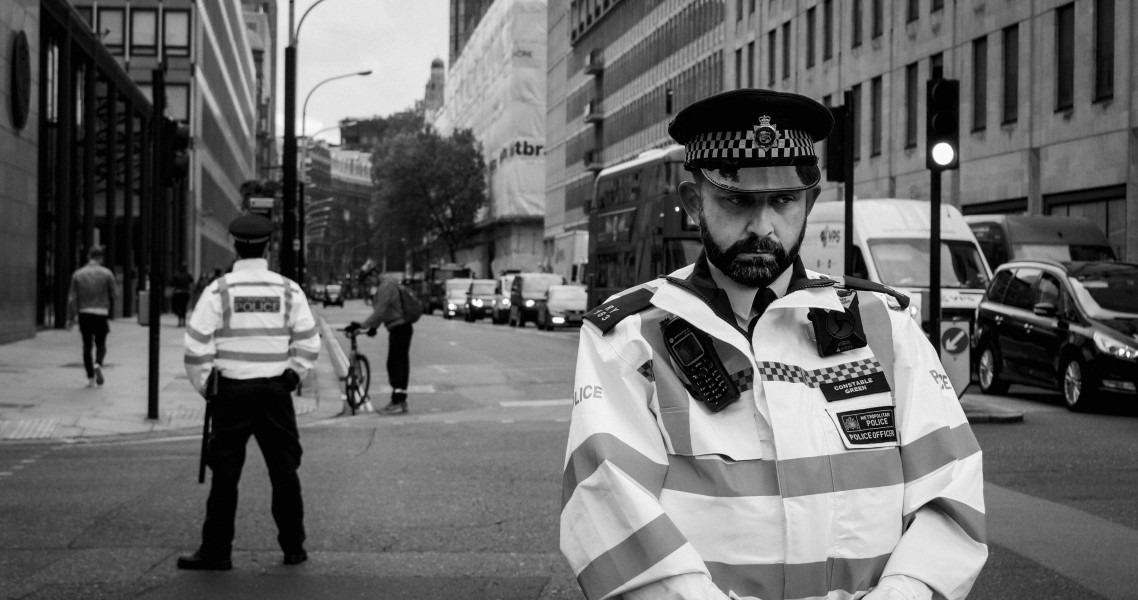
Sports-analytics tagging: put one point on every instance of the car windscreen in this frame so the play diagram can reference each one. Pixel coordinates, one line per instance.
(535, 285)
(457, 286)
(1062, 252)
(1111, 297)
(483, 289)
(905, 263)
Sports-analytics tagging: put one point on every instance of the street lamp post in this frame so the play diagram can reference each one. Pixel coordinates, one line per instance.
(288, 235)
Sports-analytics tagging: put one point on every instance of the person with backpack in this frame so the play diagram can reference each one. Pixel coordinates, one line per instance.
(395, 307)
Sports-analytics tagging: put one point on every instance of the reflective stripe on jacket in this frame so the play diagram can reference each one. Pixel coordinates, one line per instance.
(250, 323)
(768, 498)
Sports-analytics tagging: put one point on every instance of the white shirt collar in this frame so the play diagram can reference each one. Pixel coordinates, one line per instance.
(742, 297)
(249, 264)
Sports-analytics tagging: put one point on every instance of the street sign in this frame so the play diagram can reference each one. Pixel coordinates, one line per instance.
(956, 354)
(261, 203)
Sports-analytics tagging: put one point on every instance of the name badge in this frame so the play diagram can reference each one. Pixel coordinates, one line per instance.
(873, 382)
(257, 304)
(868, 427)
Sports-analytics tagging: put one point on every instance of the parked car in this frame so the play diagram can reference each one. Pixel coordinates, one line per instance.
(479, 298)
(333, 294)
(563, 305)
(1010, 237)
(500, 309)
(1071, 326)
(454, 297)
(526, 291)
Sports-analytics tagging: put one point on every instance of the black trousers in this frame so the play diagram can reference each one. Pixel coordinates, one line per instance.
(180, 301)
(398, 359)
(94, 330)
(262, 409)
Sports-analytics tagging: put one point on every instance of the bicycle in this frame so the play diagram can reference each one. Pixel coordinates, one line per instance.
(358, 379)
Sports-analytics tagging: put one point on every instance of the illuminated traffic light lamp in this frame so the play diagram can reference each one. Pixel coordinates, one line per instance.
(175, 152)
(942, 124)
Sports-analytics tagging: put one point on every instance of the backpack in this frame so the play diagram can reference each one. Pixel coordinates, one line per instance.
(409, 302)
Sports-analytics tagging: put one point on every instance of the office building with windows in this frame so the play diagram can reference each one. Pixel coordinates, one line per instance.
(212, 87)
(1047, 122)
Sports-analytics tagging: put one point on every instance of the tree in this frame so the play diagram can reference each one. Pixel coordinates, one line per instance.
(430, 185)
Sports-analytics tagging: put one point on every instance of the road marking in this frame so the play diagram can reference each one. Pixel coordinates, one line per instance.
(28, 429)
(534, 403)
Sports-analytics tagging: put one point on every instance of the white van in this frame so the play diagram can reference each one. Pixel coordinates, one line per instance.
(891, 246)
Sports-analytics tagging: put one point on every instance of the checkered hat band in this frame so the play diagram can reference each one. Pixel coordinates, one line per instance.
(791, 143)
(772, 371)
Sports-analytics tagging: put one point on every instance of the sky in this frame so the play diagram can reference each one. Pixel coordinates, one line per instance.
(396, 39)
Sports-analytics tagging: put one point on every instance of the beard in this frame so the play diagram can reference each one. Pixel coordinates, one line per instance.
(758, 271)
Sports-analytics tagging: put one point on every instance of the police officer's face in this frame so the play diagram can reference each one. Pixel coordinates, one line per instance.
(751, 237)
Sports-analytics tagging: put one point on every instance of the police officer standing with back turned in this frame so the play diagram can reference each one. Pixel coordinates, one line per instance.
(256, 327)
(745, 428)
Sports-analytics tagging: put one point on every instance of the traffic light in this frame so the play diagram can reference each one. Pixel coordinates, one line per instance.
(942, 124)
(175, 151)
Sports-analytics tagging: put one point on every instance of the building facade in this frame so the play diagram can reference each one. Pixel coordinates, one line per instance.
(261, 22)
(464, 18)
(496, 88)
(211, 86)
(618, 73)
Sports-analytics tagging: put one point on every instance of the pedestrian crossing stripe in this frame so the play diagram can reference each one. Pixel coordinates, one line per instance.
(427, 388)
(28, 429)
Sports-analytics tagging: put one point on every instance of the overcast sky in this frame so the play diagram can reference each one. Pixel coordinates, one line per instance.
(396, 39)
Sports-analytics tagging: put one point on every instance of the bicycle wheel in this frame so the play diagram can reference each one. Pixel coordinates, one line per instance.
(363, 377)
(352, 388)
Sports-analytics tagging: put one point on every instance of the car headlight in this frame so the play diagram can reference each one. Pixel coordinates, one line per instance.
(476, 302)
(529, 303)
(558, 320)
(505, 302)
(451, 306)
(1112, 347)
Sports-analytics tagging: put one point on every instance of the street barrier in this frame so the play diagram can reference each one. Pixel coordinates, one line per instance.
(335, 352)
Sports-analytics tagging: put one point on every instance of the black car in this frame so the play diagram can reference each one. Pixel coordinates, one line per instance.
(1071, 326)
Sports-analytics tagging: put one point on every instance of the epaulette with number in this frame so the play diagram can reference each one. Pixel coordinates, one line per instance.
(865, 285)
(608, 314)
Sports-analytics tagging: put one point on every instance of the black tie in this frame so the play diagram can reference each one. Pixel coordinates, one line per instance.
(763, 299)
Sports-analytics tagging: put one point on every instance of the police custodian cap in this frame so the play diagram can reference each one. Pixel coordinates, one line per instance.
(251, 229)
(751, 140)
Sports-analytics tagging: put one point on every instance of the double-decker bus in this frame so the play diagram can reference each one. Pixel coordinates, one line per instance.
(638, 229)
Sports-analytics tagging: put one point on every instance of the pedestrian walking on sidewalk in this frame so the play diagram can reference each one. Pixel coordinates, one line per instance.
(390, 309)
(746, 428)
(181, 282)
(91, 300)
(256, 327)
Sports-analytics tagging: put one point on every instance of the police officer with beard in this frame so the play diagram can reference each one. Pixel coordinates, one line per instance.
(256, 327)
(746, 428)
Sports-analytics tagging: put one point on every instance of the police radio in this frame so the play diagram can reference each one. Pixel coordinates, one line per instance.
(701, 370)
(838, 331)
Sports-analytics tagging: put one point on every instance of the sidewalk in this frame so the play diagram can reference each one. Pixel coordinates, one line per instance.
(44, 393)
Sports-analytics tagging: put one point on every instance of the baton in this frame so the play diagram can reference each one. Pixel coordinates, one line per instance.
(212, 390)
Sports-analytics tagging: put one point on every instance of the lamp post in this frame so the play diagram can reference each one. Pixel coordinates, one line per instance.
(288, 237)
(302, 260)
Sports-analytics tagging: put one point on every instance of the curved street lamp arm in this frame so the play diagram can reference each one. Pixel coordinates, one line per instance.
(296, 32)
(304, 111)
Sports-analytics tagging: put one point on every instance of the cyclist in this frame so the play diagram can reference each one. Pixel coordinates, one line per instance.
(388, 310)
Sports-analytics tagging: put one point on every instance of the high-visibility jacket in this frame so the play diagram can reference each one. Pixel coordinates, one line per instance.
(816, 483)
(250, 323)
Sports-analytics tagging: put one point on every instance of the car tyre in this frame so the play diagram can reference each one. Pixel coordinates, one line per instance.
(988, 372)
(1076, 391)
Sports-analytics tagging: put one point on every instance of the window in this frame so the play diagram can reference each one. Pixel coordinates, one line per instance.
(771, 47)
(1048, 291)
(143, 32)
(738, 68)
(999, 285)
(937, 5)
(810, 37)
(855, 15)
(112, 29)
(751, 64)
(980, 84)
(88, 15)
(936, 65)
(1104, 50)
(855, 114)
(176, 32)
(911, 99)
(875, 126)
(178, 101)
(738, 10)
(751, 9)
(914, 11)
(1011, 74)
(786, 50)
(1018, 294)
(827, 29)
(878, 19)
(1065, 57)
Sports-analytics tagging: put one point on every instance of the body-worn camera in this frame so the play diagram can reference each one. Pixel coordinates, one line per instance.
(701, 371)
(838, 331)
